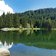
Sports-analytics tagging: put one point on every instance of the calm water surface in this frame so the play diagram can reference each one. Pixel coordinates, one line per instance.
(25, 43)
(22, 50)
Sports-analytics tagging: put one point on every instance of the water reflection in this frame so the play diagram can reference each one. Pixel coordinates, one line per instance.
(6, 45)
(35, 38)
(22, 50)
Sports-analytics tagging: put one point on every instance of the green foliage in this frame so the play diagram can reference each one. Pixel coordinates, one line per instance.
(42, 18)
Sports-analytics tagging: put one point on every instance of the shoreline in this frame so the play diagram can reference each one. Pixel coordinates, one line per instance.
(16, 29)
(22, 29)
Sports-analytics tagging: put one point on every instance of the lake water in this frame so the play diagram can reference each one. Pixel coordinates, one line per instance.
(23, 50)
(30, 43)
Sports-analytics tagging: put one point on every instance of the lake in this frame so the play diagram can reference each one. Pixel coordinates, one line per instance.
(30, 43)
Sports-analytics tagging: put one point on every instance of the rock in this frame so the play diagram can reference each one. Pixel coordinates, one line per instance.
(4, 52)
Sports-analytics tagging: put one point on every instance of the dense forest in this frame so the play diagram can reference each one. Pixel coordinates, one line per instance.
(41, 18)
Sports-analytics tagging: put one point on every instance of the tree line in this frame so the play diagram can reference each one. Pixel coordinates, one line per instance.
(41, 18)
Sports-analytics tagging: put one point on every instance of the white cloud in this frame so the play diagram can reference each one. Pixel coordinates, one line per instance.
(5, 8)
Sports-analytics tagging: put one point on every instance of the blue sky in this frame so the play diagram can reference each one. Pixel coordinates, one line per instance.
(25, 5)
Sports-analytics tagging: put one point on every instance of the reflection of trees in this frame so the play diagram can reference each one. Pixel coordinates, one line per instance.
(6, 45)
(27, 32)
(27, 36)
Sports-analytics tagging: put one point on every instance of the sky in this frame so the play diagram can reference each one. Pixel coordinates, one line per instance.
(25, 5)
